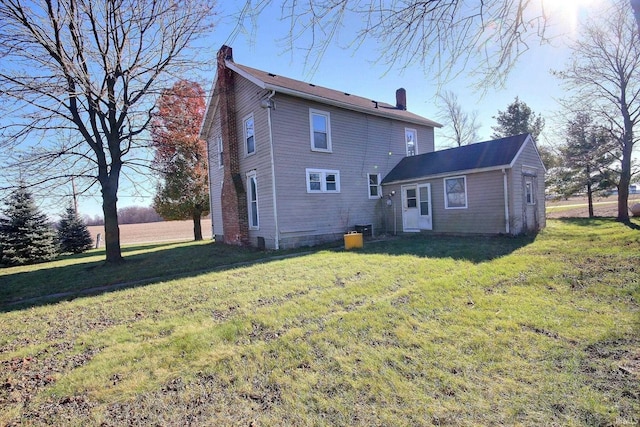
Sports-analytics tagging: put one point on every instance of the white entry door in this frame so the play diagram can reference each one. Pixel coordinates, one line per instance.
(416, 207)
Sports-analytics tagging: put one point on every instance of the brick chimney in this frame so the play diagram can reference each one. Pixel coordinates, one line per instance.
(401, 99)
(235, 220)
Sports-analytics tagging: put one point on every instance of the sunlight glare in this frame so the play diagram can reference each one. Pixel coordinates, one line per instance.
(566, 13)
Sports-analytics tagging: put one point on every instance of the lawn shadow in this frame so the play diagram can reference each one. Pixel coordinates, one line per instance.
(475, 249)
(632, 223)
(161, 262)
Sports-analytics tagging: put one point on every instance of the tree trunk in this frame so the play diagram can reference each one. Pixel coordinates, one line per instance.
(197, 225)
(625, 170)
(590, 196)
(111, 229)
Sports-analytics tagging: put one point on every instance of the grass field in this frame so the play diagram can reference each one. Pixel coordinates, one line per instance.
(415, 331)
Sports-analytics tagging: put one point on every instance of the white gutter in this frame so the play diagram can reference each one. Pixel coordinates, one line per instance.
(506, 201)
(450, 173)
(273, 170)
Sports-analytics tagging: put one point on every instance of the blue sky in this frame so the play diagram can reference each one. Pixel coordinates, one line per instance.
(355, 72)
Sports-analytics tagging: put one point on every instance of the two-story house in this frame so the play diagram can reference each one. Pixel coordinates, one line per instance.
(292, 164)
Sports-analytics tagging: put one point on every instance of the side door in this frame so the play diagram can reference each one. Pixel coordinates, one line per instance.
(410, 210)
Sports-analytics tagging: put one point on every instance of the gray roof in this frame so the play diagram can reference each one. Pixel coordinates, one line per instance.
(492, 154)
(346, 100)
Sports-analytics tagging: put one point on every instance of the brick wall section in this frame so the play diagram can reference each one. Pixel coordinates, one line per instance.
(235, 217)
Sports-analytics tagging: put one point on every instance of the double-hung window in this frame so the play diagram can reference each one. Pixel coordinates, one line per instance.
(375, 192)
(220, 152)
(455, 192)
(323, 181)
(411, 140)
(249, 135)
(320, 125)
(528, 192)
(252, 200)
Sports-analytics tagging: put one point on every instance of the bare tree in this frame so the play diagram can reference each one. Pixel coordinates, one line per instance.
(604, 76)
(91, 68)
(460, 127)
(447, 37)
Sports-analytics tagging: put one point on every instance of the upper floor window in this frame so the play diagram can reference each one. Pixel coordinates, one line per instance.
(249, 135)
(220, 152)
(455, 193)
(375, 191)
(411, 139)
(323, 181)
(320, 125)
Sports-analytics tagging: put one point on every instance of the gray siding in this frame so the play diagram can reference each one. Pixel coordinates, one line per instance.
(361, 144)
(215, 179)
(485, 213)
(528, 159)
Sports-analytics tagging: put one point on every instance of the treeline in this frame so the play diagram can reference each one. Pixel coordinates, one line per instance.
(128, 215)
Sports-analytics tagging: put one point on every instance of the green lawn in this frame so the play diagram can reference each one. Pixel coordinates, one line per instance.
(416, 331)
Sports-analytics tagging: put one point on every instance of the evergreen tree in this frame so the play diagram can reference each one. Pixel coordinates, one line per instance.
(518, 119)
(73, 234)
(25, 234)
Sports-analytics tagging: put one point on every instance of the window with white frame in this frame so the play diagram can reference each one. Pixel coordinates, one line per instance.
(455, 192)
(411, 139)
(375, 191)
(220, 152)
(252, 200)
(320, 125)
(323, 181)
(528, 192)
(249, 135)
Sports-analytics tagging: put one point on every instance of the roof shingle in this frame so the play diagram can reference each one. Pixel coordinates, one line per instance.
(489, 154)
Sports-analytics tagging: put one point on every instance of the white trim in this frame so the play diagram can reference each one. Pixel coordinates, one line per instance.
(245, 119)
(327, 116)
(323, 180)
(251, 176)
(448, 174)
(378, 186)
(446, 200)
(415, 141)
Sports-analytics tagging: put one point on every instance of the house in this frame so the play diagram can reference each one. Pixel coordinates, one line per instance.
(493, 187)
(293, 164)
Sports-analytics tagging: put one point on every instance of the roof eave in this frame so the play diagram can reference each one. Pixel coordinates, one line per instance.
(449, 173)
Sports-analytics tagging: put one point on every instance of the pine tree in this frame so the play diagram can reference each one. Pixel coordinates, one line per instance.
(518, 119)
(25, 234)
(73, 234)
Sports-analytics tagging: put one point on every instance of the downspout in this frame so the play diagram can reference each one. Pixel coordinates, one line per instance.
(506, 201)
(271, 104)
(209, 177)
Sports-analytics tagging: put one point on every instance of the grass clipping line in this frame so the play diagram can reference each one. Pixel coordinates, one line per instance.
(412, 331)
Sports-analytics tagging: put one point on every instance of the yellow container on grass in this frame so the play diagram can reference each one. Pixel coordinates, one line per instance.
(353, 240)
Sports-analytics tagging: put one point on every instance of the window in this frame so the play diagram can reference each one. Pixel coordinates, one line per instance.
(411, 198)
(455, 193)
(249, 135)
(323, 181)
(424, 200)
(320, 130)
(411, 138)
(375, 191)
(252, 196)
(528, 192)
(220, 152)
